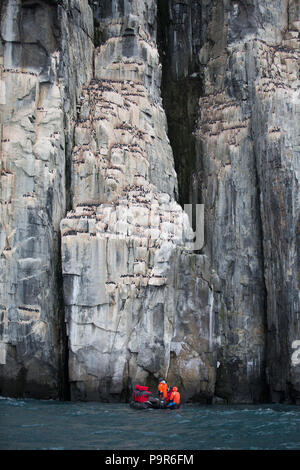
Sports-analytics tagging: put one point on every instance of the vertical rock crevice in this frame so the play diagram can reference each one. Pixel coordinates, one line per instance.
(265, 394)
(178, 38)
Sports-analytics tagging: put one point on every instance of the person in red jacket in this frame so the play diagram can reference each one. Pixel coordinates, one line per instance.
(141, 394)
(136, 393)
(145, 394)
(169, 392)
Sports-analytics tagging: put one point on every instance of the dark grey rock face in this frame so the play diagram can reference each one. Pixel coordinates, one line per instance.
(41, 43)
(246, 158)
(179, 39)
(27, 44)
(260, 66)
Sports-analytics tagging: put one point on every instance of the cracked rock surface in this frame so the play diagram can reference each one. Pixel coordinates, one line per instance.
(113, 115)
(37, 83)
(131, 288)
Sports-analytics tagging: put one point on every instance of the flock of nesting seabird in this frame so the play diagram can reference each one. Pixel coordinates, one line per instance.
(133, 193)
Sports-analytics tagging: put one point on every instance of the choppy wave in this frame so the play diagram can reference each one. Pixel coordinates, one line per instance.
(13, 401)
(49, 424)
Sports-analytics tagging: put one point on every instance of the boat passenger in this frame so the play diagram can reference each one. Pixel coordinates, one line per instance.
(136, 393)
(169, 392)
(141, 394)
(145, 394)
(162, 389)
(174, 398)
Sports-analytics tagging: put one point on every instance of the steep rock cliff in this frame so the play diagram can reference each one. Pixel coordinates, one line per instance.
(243, 159)
(132, 290)
(251, 82)
(99, 287)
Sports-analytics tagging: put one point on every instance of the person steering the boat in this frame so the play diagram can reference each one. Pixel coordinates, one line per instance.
(162, 389)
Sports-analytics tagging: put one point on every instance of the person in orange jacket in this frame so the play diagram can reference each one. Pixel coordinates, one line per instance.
(162, 389)
(174, 398)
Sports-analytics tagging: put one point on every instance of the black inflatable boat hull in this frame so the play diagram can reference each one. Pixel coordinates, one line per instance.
(154, 403)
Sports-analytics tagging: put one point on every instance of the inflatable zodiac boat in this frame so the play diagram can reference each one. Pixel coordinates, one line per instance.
(154, 403)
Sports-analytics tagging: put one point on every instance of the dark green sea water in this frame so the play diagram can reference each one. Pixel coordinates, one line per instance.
(38, 424)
